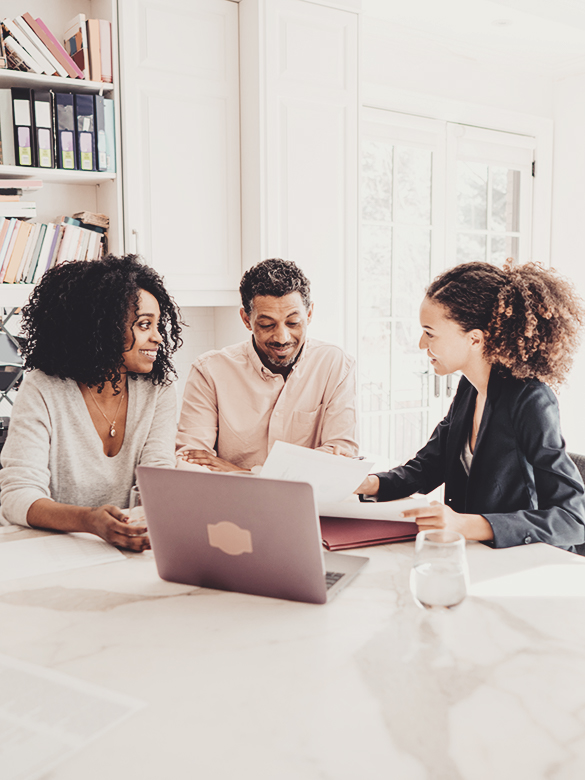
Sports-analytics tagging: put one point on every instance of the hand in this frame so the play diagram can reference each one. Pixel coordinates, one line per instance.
(111, 524)
(438, 515)
(337, 449)
(369, 486)
(213, 463)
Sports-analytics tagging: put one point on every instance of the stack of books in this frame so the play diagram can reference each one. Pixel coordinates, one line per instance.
(11, 192)
(46, 129)
(28, 249)
(28, 44)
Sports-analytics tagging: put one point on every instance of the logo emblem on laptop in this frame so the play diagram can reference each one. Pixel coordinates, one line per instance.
(230, 538)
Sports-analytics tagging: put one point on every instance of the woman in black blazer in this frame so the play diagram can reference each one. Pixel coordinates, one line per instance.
(512, 332)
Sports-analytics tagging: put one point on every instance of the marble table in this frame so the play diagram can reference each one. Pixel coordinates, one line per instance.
(368, 686)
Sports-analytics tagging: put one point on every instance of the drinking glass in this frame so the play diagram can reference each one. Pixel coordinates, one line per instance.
(136, 514)
(439, 575)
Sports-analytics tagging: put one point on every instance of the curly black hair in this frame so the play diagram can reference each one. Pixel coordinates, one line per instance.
(75, 323)
(531, 317)
(274, 277)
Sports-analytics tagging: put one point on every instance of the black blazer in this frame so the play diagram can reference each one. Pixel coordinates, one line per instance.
(521, 479)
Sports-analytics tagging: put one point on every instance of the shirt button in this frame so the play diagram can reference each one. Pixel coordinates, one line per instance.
(277, 414)
(527, 540)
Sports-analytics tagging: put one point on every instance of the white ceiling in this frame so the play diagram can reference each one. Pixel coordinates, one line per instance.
(541, 36)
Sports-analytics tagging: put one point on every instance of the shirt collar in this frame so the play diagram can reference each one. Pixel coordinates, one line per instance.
(259, 366)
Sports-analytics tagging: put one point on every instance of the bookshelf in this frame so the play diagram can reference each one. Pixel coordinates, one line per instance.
(66, 192)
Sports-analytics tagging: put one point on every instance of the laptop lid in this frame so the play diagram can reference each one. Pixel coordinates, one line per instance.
(237, 533)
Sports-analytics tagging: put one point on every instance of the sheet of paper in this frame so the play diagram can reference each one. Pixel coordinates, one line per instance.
(47, 554)
(368, 510)
(46, 716)
(333, 477)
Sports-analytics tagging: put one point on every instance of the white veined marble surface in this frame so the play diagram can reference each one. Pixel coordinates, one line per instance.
(368, 686)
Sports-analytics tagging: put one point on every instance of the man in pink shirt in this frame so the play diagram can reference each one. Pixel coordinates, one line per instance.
(277, 385)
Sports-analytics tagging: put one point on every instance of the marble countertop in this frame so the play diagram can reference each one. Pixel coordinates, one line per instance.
(368, 686)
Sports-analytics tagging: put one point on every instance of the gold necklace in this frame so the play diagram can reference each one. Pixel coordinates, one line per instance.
(111, 423)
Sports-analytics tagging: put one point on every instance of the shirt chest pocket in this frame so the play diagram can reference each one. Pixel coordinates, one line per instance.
(306, 427)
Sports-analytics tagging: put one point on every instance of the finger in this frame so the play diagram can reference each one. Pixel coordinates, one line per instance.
(125, 529)
(421, 511)
(135, 544)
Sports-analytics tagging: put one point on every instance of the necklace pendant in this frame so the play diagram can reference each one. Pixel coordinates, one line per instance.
(112, 431)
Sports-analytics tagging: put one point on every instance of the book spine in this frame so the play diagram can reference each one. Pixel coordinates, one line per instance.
(68, 63)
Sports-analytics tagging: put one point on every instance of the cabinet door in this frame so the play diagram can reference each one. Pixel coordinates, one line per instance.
(180, 128)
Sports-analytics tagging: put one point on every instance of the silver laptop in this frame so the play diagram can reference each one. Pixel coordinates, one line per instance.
(241, 533)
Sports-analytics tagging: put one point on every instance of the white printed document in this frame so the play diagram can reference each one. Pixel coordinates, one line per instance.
(370, 510)
(333, 477)
(48, 554)
(46, 716)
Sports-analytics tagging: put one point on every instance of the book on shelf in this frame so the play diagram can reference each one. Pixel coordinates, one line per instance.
(23, 208)
(3, 58)
(28, 249)
(54, 46)
(34, 46)
(110, 130)
(76, 43)
(107, 66)
(30, 28)
(94, 53)
(21, 49)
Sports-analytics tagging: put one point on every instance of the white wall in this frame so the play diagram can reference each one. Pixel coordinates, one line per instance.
(568, 232)
(398, 57)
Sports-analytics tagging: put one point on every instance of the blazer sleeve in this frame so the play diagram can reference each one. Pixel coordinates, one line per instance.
(558, 514)
(424, 472)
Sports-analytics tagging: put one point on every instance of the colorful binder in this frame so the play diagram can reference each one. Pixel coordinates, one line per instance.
(22, 116)
(100, 133)
(65, 131)
(43, 120)
(85, 132)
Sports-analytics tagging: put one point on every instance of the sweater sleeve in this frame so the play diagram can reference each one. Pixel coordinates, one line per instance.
(159, 448)
(558, 514)
(25, 475)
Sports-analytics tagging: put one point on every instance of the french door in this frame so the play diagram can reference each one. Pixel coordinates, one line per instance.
(433, 194)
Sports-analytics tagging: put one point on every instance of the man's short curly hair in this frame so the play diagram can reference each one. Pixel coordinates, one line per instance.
(531, 316)
(75, 323)
(274, 277)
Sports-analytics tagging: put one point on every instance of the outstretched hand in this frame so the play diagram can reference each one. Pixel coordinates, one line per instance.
(437, 515)
(213, 463)
(111, 523)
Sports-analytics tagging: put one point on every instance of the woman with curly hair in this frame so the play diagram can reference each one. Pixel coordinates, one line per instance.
(97, 401)
(512, 332)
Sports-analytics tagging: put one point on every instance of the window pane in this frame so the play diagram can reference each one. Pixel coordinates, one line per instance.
(503, 247)
(409, 367)
(374, 433)
(374, 366)
(375, 271)
(412, 269)
(505, 200)
(412, 169)
(470, 248)
(410, 434)
(376, 181)
(472, 195)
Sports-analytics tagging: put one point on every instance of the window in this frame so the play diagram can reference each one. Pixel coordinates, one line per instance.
(432, 194)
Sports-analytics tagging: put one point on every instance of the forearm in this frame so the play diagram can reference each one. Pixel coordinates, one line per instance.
(45, 513)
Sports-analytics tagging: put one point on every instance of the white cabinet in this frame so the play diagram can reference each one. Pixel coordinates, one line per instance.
(299, 77)
(65, 192)
(180, 132)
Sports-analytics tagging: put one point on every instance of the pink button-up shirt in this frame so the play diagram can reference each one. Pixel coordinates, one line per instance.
(236, 407)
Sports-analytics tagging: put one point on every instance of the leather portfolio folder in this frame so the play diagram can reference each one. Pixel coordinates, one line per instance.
(346, 533)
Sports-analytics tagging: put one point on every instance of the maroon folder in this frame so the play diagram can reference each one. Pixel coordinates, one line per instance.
(343, 533)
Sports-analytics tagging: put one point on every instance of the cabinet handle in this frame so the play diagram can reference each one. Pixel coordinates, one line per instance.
(449, 385)
(135, 234)
(437, 386)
